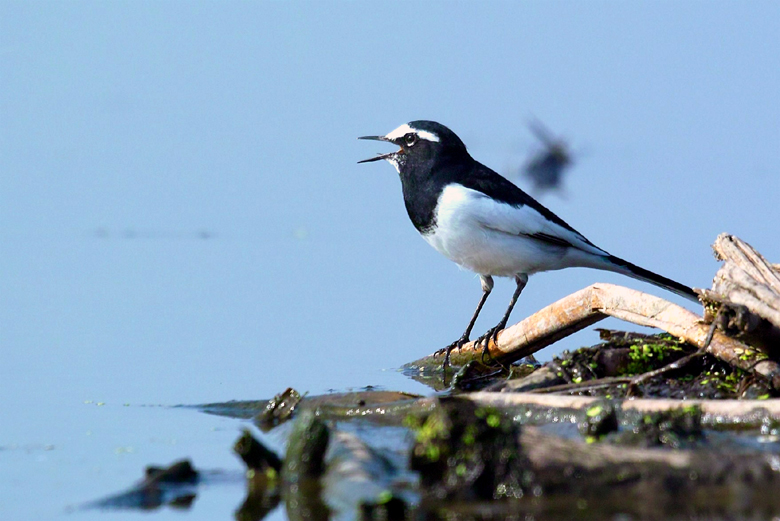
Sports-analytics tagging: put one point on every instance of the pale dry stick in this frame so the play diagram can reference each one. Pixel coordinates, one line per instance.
(587, 385)
(733, 410)
(746, 278)
(596, 302)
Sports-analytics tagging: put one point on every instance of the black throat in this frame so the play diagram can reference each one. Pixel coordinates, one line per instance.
(423, 180)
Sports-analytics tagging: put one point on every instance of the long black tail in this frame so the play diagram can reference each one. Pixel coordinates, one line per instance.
(632, 270)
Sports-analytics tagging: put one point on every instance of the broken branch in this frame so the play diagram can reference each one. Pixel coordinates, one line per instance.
(589, 305)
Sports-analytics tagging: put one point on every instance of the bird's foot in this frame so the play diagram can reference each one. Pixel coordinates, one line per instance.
(491, 334)
(447, 350)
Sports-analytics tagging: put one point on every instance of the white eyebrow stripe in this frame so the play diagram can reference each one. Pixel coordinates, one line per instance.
(428, 136)
(406, 129)
(400, 132)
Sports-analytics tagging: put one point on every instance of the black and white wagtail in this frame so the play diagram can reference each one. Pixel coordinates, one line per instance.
(482, 222)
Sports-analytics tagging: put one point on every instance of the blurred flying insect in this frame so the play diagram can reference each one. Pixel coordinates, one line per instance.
(546, 166)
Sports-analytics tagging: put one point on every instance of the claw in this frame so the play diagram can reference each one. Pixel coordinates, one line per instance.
(491, 334)
(459, 343)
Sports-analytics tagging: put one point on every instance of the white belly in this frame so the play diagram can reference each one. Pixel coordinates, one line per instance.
(488, 252)
(492, 238)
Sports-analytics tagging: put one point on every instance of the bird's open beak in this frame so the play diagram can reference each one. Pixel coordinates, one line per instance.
(380, 156)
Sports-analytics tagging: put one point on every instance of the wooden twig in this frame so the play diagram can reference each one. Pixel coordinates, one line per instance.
(635, 381)
(725, 410)
(748, 288)
(596, 302)
(674, 366)
(747, 278)
(597, 383)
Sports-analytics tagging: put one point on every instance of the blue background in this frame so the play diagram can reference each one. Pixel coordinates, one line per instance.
(182, 218)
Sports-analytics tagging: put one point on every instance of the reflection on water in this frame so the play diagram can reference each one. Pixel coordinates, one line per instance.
(350, 456)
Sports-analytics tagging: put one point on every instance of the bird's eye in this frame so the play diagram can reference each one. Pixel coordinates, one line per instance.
(410, 139)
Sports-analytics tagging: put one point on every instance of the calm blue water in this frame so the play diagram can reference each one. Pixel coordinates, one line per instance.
(182, 219)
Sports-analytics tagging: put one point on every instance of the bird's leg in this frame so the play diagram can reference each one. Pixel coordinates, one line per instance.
(487, 287)
(521, 280)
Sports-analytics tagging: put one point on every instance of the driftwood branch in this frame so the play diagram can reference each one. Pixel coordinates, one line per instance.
(723, 410)
(746, 289)
(747, 278)
(589, 305)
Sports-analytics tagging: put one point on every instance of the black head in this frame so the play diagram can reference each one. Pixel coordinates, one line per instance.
(421, 142)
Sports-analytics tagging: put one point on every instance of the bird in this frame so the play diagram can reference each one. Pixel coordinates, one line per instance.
(486, 224)
(546, 167)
